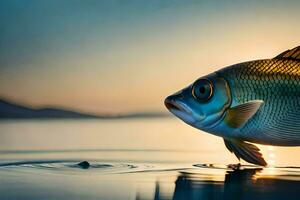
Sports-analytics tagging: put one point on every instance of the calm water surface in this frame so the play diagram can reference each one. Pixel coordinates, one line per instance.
(134, 159)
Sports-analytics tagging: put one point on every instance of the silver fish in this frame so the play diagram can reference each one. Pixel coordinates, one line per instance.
(250, 102)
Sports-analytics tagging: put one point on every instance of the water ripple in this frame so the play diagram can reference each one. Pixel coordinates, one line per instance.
(73, 166)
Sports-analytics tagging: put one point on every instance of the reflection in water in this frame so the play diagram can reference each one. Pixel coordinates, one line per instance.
(238, 184)
(138, 158)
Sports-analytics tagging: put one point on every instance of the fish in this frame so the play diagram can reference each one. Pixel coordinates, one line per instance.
(254, 102)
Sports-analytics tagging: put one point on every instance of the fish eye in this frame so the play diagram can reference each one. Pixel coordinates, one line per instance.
(202, 90)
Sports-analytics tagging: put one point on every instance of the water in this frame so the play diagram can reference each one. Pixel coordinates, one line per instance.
(134, 159)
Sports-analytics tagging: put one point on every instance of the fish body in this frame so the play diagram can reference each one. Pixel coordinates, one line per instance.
(256, 101)
(277, 83)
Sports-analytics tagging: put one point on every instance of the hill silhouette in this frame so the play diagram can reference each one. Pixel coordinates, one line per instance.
(11, 110)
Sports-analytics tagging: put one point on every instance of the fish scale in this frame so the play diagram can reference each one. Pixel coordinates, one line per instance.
(277, 83)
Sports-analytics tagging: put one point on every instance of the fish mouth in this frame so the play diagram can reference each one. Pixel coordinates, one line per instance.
(173, 105)
(180, 110)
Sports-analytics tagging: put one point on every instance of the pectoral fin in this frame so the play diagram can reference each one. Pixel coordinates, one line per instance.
(246, 151)
(239, 115)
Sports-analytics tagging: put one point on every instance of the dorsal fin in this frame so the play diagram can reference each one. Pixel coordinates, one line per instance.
(290, 54)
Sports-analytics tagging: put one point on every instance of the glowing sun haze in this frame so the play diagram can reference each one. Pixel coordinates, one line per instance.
(126, 56)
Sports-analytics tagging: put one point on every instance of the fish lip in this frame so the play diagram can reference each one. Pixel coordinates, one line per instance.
(171, 105)
(174, 105)
(180, 110)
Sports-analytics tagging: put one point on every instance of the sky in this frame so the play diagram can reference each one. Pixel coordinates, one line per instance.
(118, 56)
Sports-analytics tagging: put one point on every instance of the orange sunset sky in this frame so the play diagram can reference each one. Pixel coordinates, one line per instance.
(118, 57)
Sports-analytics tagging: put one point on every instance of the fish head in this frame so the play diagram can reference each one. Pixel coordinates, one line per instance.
(203, 103)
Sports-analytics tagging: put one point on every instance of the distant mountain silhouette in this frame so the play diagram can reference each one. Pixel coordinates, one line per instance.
(9, 110)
